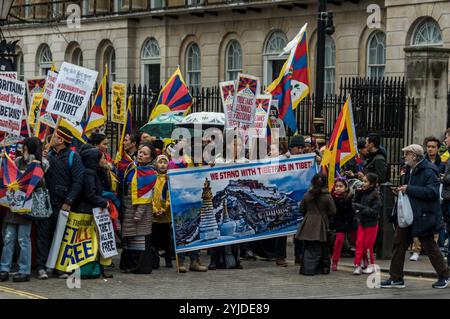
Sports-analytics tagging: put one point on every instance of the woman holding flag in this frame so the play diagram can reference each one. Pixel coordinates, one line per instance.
(17, 228)
(140, 178)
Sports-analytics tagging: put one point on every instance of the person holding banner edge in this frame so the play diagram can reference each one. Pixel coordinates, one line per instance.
(64, 182)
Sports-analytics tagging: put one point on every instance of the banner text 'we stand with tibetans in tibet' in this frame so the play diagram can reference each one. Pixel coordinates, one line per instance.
(229, 204)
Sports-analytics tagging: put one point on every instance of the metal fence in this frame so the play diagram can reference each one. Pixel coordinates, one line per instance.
(379, 106)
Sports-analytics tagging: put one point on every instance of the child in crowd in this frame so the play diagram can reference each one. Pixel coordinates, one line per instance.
(367, 205)
(344, 220)
(162, 219)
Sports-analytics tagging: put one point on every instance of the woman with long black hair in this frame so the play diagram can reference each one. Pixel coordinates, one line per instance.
(317, 206)
(137, 222)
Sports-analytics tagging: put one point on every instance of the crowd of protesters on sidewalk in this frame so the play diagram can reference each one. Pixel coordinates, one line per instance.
(342, 221)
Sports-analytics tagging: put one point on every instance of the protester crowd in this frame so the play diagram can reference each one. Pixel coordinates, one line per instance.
(343, 220)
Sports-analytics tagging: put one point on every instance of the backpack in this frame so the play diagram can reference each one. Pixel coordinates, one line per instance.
(91, 270)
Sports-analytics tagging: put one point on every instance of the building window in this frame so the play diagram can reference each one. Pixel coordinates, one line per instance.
(157, 4)
(427, 32)
(330, 66)
(376, 59)
(233, 60)
(193, 66)
(111, 54)
(20, 67)
(45, 60)
(28, 8)
(151, 64)
(272, 62)
(192, 3)
(85, 7)
(56, 10)
(77, 57)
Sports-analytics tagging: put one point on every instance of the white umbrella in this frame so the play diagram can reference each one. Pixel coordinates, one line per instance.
(206, 119)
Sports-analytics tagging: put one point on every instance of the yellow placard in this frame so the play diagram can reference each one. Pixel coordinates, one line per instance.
(79, 245)
(119, 93)
(35, 108)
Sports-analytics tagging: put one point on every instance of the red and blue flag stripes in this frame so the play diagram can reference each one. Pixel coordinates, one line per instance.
(30, 178)
(142, 184)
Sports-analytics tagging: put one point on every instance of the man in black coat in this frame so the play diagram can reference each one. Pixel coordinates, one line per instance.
(64, 180)
(423, 191)
(376, 160)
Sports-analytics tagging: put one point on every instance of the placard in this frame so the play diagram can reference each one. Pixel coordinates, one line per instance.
(72, 91)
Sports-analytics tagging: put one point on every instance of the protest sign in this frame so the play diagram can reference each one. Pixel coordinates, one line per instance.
(72, 91)
(45, 117)
(227, 95)
(9, 74)
(35, 108)
(229, 204)
(35, 86)
(259, 127)
(57, 238)
(12, 93)
(276, 124)
(107, 241)
(119, 93)
(79, 243)
(244, 104)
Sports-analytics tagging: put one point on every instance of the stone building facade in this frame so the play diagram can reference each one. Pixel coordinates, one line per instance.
(143, 41)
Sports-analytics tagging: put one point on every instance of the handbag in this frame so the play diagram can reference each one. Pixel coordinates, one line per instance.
(40, 206)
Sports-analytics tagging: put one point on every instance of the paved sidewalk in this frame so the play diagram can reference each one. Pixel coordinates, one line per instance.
(421, 268)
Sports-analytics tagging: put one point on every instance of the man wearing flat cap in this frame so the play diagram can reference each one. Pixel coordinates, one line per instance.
(421, 184)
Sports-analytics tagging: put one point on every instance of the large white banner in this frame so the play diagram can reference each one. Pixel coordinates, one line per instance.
(12, 100)
(73, 88)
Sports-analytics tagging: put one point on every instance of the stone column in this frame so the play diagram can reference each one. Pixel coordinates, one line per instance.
(427, 82)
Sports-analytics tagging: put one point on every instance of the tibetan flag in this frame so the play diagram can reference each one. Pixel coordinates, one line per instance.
(123, 159)
(25, 127)
(292, 85)
(342, 145)
(98, 113)
(77, 129)
(142, 184)
(174, 96)
(30, 178)
(10, 171)
(3, 199)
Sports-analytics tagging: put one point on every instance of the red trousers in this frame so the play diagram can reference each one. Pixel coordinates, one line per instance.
(365, 240)
(338, 243)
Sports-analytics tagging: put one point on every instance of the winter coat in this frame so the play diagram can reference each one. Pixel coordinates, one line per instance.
(368, 206)
(131, 227)
(438, 162)
(376, 163)
(91, 194)
(64, 181)
(423, 192)
(316, 211)
(22, 164)
(446, 183)
(345, 220)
